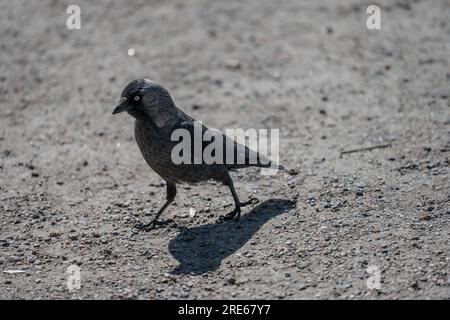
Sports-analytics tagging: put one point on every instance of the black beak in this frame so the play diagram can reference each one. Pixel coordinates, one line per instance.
(122, 106)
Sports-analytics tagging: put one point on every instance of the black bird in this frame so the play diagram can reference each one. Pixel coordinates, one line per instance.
(156, 119)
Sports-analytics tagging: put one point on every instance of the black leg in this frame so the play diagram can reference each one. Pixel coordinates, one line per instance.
(171, 193)
(236, 213)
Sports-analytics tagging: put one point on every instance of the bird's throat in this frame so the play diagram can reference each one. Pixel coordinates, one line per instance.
(139, 115)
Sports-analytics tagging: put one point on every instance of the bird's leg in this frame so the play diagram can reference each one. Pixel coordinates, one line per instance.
(236, 213)
(171, 193)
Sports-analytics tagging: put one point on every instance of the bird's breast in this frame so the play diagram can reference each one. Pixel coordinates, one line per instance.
(154, 145)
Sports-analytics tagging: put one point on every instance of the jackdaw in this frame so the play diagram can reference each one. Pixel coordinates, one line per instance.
(156, 118)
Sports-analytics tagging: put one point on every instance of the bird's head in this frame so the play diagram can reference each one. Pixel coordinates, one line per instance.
(146, 100)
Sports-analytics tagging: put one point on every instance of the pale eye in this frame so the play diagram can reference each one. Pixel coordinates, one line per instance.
(137, 98)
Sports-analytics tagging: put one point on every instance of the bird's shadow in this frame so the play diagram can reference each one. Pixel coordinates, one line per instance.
(201, 249)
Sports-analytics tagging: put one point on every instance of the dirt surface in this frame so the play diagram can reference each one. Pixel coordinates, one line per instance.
(73, 183)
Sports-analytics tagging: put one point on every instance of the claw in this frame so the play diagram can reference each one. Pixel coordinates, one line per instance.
(233, 215)
(250, 201)
(152, 225)
(146, 227)
(236, 213)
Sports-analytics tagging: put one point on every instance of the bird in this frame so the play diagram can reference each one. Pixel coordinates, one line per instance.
(156, 118)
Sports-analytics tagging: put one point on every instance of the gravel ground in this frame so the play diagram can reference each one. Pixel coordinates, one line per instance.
(73, 183)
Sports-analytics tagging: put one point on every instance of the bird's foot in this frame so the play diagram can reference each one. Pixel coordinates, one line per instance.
(235, 214)
(250, 201)
(147, 226)
(153, 225)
